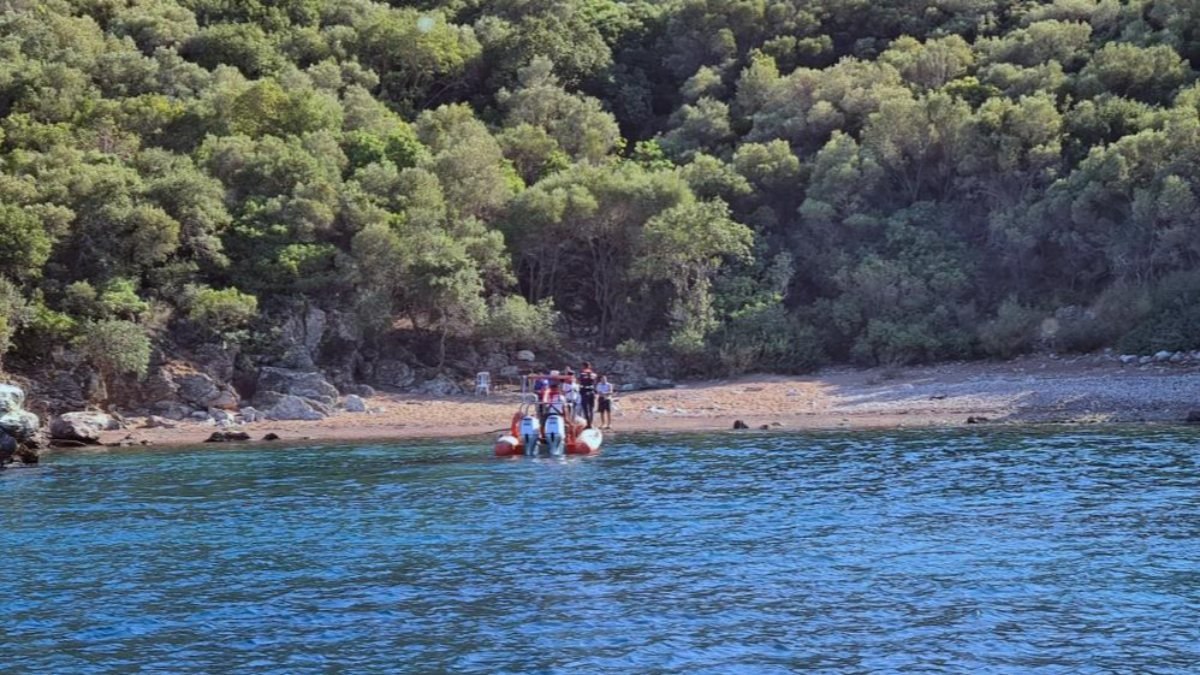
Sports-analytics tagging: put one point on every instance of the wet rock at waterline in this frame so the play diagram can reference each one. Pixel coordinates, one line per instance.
(20, 430)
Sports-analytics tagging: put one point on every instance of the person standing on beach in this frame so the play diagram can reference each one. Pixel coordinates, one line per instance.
(604, 392)
(587, 392)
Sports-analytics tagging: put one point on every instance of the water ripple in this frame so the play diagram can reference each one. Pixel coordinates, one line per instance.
(995, 550)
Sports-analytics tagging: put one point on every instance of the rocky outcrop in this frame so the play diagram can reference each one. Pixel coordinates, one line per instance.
(202, 391)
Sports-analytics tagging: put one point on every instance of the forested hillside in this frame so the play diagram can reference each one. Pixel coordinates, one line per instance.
(737, 183)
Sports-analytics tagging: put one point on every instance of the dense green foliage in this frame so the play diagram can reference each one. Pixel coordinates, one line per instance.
(746, 183)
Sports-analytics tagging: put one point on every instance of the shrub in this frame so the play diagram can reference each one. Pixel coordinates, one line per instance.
(631, 349)
(766, 337)
(115, 347)
(222, 310)
(514, 321)
(1012, 332)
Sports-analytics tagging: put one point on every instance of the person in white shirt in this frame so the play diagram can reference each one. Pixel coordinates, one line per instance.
(604, 402)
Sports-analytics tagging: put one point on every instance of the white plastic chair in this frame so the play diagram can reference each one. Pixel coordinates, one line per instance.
(483, 384)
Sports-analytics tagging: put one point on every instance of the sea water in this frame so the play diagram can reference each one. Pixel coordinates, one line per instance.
(997, 550)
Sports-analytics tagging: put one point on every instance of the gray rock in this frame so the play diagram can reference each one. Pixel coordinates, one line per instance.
(200, 416)
(396, 374)
(441, 385)
(295, 408)
(12, 398)
(1178, 357)
(197, 389)
(1162, 356)
(81, 427)
(220, 416)
(525, 355)
(354, 404)
(227, 437)
(1129, 359)
(510, 371)
(363, 390)
(495, 361)
(658, 383)
(305, 384)
(1146, 359)
(249, 414)
(156, 422)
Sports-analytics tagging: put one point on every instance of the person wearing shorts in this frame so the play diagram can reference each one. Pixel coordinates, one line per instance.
(604, 402)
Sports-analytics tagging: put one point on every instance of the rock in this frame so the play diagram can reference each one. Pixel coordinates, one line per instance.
(1193, 417)
(156, 422)
(197, 389)
(354, 404)
(765, 427)
(249, 414)
(305, 384)
(657, 383)
(510, 372)
(362, 390)
(292, 407)
(227, 437)
(441, 385)
(1177, 357)
(656, 410)
(1163, 355)
(81, 427)
(390, 373)
(271, 436)
(738, 424)
(222, 417)
(973, 419)
(300, 337)
(1128, 359)
(525, 355)
(200, 416)
(1146, 359)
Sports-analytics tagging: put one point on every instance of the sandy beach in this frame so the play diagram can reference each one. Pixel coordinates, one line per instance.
(1088, 389)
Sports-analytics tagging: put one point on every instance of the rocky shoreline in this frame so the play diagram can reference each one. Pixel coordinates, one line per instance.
(1097, 389)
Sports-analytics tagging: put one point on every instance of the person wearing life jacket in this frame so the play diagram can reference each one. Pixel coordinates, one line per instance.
(587, 392)
(541, 392)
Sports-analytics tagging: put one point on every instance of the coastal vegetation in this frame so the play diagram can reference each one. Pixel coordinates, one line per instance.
(737, 184)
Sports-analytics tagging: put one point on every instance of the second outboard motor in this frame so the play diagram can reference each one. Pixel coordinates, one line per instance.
(529, 430)
(556, 435)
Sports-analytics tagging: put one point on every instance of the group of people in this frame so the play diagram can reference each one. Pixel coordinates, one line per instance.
(568, 393)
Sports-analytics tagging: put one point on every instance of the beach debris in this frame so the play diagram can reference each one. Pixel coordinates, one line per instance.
(354, 404)
(977, 419)
(738, 424)
(271, 436)
(227, 437)
(656, 410)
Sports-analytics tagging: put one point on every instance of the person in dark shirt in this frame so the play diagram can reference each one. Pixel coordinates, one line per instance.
(586, 385)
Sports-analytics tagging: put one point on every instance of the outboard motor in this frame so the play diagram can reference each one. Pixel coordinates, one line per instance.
(529, 430)
(556, 435)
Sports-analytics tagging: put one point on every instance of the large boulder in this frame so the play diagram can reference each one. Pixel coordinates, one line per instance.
(202, 391)
(20, 430)
(82, 427)
(295, 408)
(441, 385)
(305, 384)
(391, 373)
(354, 404)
